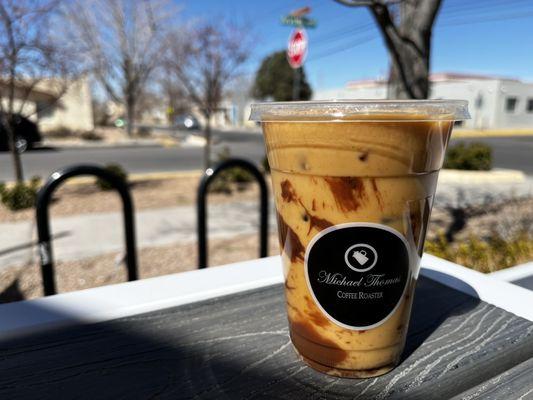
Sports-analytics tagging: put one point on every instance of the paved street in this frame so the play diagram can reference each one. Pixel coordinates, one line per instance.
(135, 159)
(509, 152)
(513, 152)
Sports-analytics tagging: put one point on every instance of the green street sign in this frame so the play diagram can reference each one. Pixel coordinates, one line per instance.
(298, 21)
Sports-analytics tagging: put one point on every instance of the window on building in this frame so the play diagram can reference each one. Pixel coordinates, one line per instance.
(44, 109)
(479, 101)
(529, 106)
(510, 104)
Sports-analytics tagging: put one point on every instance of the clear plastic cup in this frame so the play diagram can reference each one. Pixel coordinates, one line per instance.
(354, 183)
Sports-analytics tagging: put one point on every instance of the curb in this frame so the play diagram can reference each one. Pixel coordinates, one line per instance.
(471, 133)
(480, 177)
(148, 176)
(165, 175)
(240, 131)
(158, 142)
(85, 146)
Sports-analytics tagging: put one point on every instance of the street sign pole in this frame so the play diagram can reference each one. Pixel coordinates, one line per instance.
(296, 53)
(296, 84)
(297, 45)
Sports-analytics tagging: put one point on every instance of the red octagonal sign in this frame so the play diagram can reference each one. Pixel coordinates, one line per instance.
(297, 48)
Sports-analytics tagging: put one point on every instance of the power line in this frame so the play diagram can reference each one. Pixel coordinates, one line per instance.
(459, 9)
(340, 33)
(482, 13)
(455, 10)
(489, 19)
(342, 48)
(473, 9)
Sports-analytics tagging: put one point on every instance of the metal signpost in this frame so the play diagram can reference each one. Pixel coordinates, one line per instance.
(298, 43)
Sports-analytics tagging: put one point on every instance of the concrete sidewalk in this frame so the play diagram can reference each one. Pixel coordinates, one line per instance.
(89, 235)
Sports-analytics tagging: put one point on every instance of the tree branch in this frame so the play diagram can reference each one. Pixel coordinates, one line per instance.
(355, 3)
(393, 39)
(428, 11)
(367, 3)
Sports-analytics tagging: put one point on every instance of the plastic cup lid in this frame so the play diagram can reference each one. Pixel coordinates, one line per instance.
(353, 110)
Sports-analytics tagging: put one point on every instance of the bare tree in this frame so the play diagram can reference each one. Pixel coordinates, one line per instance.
(173, 94)
(123, 41)
(408, 42)
(205, 64)
(30, 57)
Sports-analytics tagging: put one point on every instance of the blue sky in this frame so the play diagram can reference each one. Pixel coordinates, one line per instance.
(474, 36)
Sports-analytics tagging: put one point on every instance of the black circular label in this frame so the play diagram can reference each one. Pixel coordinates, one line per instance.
(357, 273)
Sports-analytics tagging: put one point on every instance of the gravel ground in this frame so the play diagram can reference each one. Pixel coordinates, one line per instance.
(149, 194)
(505, 218)
(477, 194)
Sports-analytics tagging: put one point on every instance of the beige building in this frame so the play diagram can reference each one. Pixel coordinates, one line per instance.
(54, 108)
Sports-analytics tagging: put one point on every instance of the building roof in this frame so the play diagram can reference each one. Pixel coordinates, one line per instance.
(365, 83)
(40, 88)
(26, 91)
(457, 76)
(437, 77)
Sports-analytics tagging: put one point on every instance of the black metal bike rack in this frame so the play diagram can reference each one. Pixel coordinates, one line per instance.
(209, 175)
(43, 219)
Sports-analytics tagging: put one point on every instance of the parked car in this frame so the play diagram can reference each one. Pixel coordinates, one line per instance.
(26, 134)
(186, 122)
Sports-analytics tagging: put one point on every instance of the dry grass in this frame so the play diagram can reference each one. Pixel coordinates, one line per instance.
(499, 237)
(485, 255)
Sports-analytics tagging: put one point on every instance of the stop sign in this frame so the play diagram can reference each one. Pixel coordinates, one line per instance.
(297, 48)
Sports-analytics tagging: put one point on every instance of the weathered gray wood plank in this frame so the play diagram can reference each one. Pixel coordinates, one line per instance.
(515, 383)
(237, 347)
(526, 282)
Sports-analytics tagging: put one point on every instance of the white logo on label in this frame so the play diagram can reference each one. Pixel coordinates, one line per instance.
(361, 257)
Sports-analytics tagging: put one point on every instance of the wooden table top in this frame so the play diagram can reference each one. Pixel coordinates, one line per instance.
(237, 347)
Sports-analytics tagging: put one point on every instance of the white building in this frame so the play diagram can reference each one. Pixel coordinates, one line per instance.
(47, 105)
(494, 102)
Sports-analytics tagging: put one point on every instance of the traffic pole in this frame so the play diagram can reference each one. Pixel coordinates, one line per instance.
(296, 84)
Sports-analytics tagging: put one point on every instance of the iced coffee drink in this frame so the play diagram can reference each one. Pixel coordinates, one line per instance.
(353, 183)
